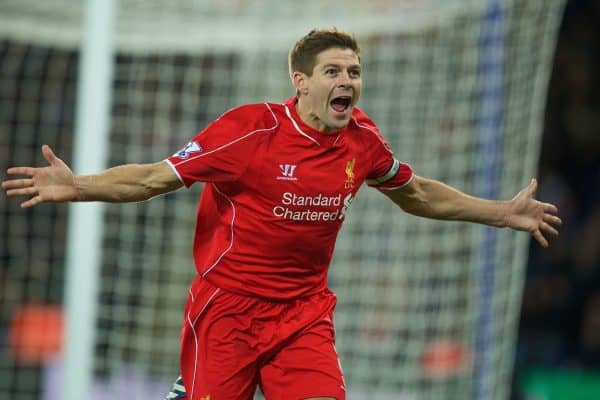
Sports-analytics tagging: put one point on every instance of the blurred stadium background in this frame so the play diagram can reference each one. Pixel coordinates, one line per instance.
(426, 311)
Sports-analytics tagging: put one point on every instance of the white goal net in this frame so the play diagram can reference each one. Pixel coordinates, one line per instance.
(427, 309)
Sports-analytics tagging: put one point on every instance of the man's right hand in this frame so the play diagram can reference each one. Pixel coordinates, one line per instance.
(54, 183)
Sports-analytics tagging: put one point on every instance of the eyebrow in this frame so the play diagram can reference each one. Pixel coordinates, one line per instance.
(353, 66)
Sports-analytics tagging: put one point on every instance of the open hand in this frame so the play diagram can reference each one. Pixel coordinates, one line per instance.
(53, 183)
(525, 213)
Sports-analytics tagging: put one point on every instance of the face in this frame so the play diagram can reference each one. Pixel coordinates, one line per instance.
(327, 97)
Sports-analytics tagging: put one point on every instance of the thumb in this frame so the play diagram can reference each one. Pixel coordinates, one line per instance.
(49, 154)
(533, 185)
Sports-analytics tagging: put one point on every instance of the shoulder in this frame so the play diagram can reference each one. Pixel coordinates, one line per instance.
(369, 134)
(251, 116)
(363, 123)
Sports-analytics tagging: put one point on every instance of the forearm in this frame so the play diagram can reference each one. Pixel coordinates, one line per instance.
(125, 183)
(433, 199)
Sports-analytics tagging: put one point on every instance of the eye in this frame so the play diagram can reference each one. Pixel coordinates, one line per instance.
(330, 71)
(355, 73)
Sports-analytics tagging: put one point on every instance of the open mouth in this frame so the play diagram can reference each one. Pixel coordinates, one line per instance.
(341, 103)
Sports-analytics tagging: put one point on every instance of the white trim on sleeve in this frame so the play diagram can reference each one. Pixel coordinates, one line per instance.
(412, 176)
(387, 176)
(174, 170)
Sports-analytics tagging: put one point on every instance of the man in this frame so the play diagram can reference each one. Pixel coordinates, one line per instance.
(280, 179)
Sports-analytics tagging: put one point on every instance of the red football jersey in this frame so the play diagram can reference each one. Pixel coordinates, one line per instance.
(277, 194)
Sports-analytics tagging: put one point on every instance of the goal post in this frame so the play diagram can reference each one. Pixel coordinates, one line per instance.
(86, 226)
(426, 309)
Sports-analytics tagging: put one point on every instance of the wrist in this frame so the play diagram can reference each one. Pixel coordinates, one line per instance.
(505, 207)
(81, 183)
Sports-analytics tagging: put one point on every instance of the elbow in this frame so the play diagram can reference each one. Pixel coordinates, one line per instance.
(418, 206)
(421, 202)
(416, 203)
(129, 194)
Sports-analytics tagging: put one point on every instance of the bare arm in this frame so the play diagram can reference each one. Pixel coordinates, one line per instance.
(433, 199)
(57, 183)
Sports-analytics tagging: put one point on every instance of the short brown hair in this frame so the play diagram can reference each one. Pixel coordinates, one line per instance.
(303, 54)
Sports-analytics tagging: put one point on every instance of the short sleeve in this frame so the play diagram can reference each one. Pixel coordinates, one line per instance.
(222, 151)
(397, 175)
(387, 172)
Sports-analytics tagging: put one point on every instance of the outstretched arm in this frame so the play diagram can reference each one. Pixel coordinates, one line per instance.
(433, 199)
(57, 183)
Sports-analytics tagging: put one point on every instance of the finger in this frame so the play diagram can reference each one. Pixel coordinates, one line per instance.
(21, 192)
(537, 235)
(21, 171)
(549, 229)
(550, 208)
(49, 154)
(17, 183)
(533, 185)
(552, 219)
(31, 202)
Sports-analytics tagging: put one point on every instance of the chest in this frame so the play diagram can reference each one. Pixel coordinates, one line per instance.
(297, 166)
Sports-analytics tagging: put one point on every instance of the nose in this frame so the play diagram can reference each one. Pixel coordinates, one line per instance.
(344, 79)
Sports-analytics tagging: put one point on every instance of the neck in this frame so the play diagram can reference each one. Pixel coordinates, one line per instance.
(309, 117)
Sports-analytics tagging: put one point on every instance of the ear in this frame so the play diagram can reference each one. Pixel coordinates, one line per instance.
(300, 82)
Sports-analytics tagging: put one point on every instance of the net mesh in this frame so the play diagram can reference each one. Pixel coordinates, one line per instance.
(426, 310)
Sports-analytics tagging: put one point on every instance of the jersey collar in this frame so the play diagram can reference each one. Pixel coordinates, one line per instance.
(314, 135)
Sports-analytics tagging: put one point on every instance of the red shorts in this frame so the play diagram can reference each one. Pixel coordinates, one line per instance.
(232, 343)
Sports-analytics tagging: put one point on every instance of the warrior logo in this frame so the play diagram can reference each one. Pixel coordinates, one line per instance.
(287, 172)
